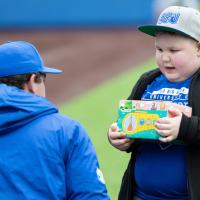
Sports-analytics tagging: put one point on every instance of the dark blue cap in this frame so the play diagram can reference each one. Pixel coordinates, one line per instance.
(20, 57)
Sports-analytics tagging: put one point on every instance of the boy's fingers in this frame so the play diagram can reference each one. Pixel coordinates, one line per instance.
(163, 139)
(164, 133)
(122, 144)
(116, 135)
(163, 120)
(162, 126)
(125, 146)
(166, 139)
(174, 112)
(114, 127)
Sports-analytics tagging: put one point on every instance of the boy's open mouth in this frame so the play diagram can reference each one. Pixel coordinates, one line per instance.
(169, 68)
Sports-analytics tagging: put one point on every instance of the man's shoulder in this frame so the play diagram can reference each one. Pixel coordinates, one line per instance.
(61, 124)
(61, 119)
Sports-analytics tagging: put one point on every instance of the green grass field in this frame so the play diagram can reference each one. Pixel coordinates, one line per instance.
(96, 110)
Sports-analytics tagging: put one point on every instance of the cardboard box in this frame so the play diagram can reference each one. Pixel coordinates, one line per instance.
(137, 118)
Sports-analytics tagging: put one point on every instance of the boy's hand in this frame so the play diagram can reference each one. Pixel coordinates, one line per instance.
(168, 127)
(118, 139)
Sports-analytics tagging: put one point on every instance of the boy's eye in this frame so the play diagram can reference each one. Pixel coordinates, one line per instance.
(159, 49)
(174, 50)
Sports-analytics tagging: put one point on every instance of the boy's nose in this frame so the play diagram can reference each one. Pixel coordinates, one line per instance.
(165, 57)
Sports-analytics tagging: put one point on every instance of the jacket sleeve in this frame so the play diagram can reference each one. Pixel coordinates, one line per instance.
(189, 131)
(136, 91)
(84, 180)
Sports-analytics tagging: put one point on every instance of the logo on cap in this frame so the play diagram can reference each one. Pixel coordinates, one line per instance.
(169, 17)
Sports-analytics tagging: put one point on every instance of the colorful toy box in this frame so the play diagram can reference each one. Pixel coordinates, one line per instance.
(137, 118)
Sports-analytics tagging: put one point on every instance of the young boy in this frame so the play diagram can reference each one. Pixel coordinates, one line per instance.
(161, 170)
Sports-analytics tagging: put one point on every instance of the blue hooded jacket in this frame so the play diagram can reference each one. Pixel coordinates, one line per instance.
(44, 155)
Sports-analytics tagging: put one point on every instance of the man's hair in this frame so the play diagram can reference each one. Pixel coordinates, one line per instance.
(20, 80)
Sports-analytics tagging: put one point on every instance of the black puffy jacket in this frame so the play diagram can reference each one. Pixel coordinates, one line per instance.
(189, 133)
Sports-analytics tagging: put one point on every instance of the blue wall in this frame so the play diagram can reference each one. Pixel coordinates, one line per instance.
(74, 13)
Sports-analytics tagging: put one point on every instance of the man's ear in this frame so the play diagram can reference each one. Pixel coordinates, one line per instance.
(30, 86)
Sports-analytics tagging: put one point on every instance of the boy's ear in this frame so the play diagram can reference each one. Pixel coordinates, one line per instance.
(198, 49)
(30, 86)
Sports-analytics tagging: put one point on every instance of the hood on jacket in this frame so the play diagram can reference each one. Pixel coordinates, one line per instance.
(18, 107)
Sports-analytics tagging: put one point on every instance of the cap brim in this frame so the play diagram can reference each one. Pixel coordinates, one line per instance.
(153, 29)
(49, 70)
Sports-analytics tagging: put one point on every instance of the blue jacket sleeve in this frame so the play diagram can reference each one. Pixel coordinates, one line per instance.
(84, 179)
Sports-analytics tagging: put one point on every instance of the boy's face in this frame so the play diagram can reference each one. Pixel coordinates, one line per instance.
(178, 57)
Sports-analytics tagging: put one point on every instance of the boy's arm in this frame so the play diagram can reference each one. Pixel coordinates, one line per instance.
(116, 138)
(180, 127)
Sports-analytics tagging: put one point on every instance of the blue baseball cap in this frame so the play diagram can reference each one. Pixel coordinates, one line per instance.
(20, 57)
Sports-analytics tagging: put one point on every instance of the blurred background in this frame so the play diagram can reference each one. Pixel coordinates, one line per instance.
(101, 53)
